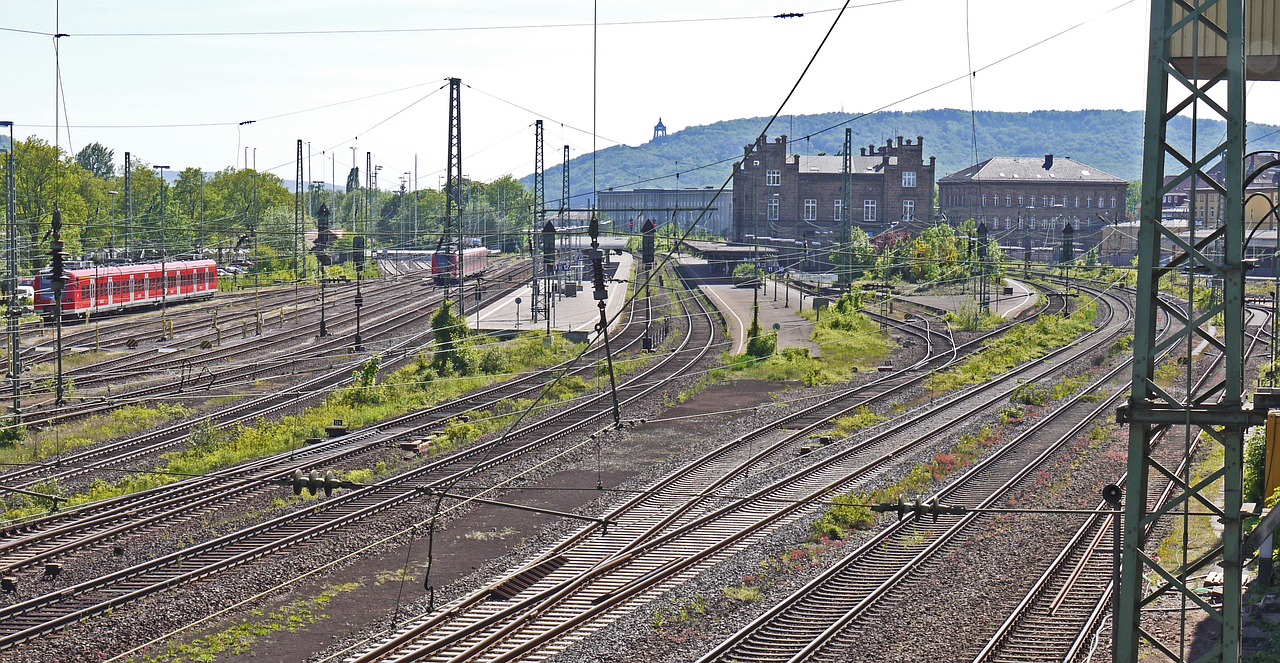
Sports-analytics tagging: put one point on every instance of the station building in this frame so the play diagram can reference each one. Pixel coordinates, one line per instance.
(1026, 201)
(798, 198)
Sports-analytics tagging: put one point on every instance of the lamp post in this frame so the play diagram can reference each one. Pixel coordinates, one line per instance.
(164, 277)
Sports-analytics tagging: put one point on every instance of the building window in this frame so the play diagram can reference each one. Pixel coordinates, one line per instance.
(868, 210)
(1008, 201)
(1077, 201)
(984, 200)
(1053, 200)
(773, 210)
(1031, 201)
(839, 210)
(1044, 201)
(810, 209)
(909, 178)
(1113, 202)
(773, 178)
(908, 210)
(1008, 223)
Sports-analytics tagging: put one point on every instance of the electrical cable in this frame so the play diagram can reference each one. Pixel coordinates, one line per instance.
(366, 31)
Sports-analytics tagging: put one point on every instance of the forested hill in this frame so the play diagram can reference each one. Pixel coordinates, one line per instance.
(1110, 140)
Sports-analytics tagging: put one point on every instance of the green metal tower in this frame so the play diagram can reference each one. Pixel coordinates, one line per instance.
(1196, 68)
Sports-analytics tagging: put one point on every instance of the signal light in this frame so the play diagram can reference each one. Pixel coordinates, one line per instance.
(597, 274)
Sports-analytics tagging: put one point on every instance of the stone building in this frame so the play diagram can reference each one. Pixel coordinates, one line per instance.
(795, 197)
(1035, 197)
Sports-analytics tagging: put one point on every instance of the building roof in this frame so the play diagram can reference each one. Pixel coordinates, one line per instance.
(829, 164)
(1032, 169)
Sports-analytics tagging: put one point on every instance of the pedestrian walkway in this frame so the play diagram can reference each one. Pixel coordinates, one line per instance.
(779, 306)
(576, 312)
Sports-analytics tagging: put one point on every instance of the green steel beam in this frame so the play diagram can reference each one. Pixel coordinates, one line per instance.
(1150, 408)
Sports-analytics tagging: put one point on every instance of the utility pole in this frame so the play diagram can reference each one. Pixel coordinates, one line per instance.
(984, 285)
(15, 304)
(128, 205)
(845, 264)
(164, 276)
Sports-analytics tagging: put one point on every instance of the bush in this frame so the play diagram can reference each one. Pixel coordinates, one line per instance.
(763, 346)
(1029, 394)
(848, 512)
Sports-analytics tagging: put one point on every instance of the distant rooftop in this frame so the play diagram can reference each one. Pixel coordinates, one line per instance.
(1032, 169)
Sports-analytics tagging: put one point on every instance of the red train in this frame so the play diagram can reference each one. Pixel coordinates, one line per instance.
(103, 289)
(444, 264)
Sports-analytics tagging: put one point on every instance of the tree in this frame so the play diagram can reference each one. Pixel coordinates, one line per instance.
(452, 355)
(98, 160)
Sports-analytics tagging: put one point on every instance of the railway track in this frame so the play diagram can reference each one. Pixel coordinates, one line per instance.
(32, 617)
(665, 536)
(399, 350)
(1057, 617)
(386, 316)
(817, 620)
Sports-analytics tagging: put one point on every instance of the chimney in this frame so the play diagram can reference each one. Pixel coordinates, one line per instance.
(863, 150)
(1048, 161)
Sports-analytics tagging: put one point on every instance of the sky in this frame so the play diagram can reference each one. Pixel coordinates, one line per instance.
(171, 82)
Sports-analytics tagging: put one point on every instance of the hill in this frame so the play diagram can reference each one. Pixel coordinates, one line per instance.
(1110, 140)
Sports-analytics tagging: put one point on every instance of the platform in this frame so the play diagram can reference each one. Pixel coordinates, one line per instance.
(1008, 307)
(578, 313)
(778, 307)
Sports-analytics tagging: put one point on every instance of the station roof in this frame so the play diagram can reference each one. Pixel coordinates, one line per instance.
(719, 251)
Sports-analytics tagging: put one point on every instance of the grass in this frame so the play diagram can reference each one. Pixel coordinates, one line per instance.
(849, 341)
(861, 418)
(743, 593)
(240, 638)
(850, 512)
(120, 423)
(408, 389)
(70, 360)
(1021, 344)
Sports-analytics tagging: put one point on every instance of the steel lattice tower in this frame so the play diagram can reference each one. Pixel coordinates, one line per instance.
(298, 268)
(1196, 66)
(453, 184)
(541, 301)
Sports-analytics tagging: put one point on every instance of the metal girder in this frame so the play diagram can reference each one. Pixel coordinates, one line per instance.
(1218, 95)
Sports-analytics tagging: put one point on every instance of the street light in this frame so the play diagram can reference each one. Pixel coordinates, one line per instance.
(164, 277)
